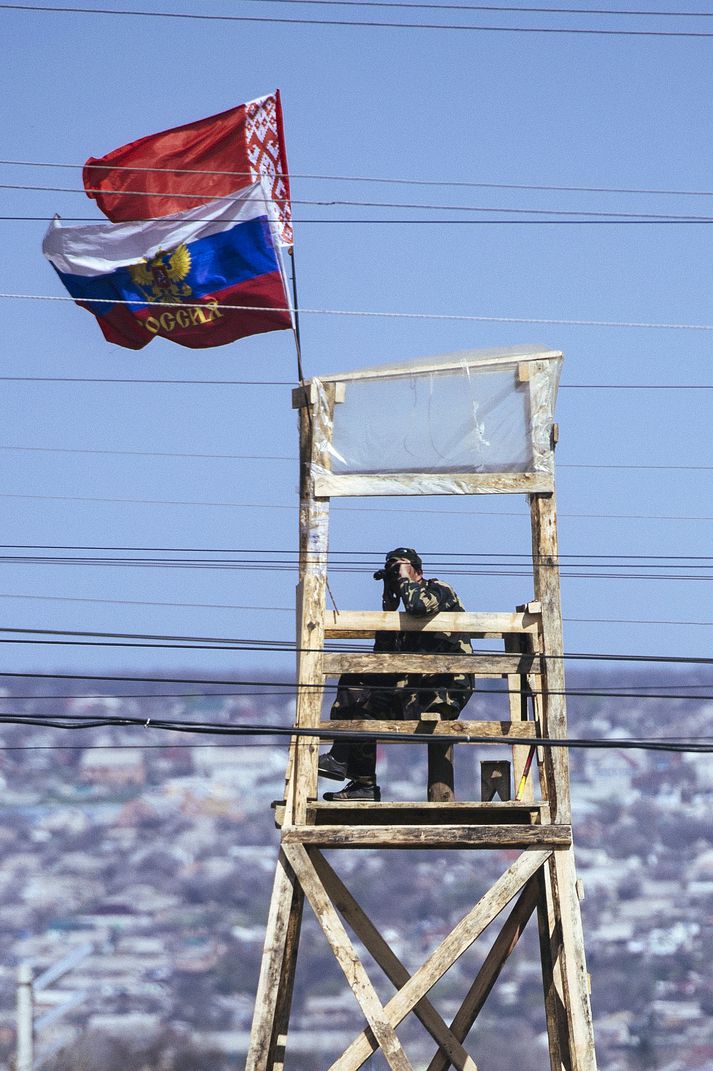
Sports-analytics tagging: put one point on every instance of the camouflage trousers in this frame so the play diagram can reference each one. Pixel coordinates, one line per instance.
(391, 697)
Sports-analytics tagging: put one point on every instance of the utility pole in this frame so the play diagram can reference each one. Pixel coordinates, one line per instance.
(25, 1033)
(27, 993)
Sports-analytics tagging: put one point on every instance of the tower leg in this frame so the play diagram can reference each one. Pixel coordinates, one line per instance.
(274, 993)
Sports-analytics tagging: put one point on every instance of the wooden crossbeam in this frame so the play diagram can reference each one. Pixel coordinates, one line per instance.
(327, 484)
(348, 959)
(441, 836)
(485, 666)
(362, 624)
(499, 730)
(389, 962)
(488, 974)
(450, 949)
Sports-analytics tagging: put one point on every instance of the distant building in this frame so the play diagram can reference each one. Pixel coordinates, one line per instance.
(112, 767)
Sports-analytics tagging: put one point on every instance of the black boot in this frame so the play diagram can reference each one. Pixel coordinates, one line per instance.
(332, 768)
(356, 790)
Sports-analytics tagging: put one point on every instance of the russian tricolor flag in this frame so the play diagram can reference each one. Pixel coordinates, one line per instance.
(200, 278)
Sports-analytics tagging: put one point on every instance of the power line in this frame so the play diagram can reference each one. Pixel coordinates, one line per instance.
(497, 7)
(687, 744)
(567, 656)
(375, 179)
(266, 19)
(404, 206)
(345, 509)
(510, 221)
(290, 609)
(457, 555)
(294, 459)
(455, 317)
(291, 383)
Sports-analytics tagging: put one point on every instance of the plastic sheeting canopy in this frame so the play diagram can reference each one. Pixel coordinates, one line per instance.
(479, 411)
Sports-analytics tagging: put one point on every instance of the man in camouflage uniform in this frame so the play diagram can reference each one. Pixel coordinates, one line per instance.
(397, 696)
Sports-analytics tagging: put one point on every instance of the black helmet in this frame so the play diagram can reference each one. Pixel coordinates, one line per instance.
(409, 554)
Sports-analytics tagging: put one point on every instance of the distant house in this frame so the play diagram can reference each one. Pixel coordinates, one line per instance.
(112, 767)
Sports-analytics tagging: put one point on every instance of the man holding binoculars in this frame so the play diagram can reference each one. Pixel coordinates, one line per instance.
(397, 696)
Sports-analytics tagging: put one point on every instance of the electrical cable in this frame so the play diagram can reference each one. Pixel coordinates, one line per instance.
(295, 460)
(496, 7)
(290, 383)
(290, 609)
(350, 509)
(704, 746)
(640, 216)
(539, 222)
(376, 179)
(567, 656)
(368, 314)
(268, 19)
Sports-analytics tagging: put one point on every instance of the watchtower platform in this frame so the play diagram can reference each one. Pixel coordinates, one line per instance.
(505, 402)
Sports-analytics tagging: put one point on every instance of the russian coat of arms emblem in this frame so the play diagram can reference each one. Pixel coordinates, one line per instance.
(160, 277)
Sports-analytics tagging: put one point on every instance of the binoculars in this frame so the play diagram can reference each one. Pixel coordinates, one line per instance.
(391, 571)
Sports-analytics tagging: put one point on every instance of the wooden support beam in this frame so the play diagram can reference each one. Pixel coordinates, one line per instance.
(315, 425)
(505, 836)
(498, 730)
(346, 955)
(333, 485)
(389, 962)
(362, 624)
(518, 697)
(450, 949)
(487, 666)
(263, 1038)
(545, 556)
(489, 973)
(550, 935)
(574, 974)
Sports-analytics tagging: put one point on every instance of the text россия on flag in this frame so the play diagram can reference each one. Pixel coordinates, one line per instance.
(221, 261)
(178, 169)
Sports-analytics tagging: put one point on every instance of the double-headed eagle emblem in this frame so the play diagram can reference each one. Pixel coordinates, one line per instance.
(160, 276)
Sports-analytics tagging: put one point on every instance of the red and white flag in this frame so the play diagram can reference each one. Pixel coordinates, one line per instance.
(178, 169)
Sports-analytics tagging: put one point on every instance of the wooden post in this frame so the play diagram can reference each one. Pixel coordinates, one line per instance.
(441, 786)
(545, 558)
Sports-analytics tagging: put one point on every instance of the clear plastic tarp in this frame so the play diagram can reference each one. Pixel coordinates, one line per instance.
(478, 411)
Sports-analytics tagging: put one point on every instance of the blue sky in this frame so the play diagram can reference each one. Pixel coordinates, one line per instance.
(453, 106)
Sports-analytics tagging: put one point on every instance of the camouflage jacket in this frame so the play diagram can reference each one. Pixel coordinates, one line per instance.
(423, 597)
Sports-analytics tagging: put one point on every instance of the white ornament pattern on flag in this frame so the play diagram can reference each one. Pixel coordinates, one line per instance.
(262, 140)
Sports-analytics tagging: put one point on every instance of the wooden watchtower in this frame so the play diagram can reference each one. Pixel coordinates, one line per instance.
(381, 431)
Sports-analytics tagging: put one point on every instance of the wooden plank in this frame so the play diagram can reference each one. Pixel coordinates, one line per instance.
(315, 431)
(550, 936)
(348, 959)
(389, 962)
(363, 624)
(489, 973)
(436, 836)
(337, 485)
(490, 665)
(450, 949)
(545, 556)
(461, 359)
(454, 809)
(575, 977)
(498, 730)
(285, 987)
(271, 969)
(518, 698)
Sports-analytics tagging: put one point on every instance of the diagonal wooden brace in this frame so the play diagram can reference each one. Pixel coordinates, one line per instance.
(488, 974)
(390, 963)
(450, 949)
(381, 1029)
